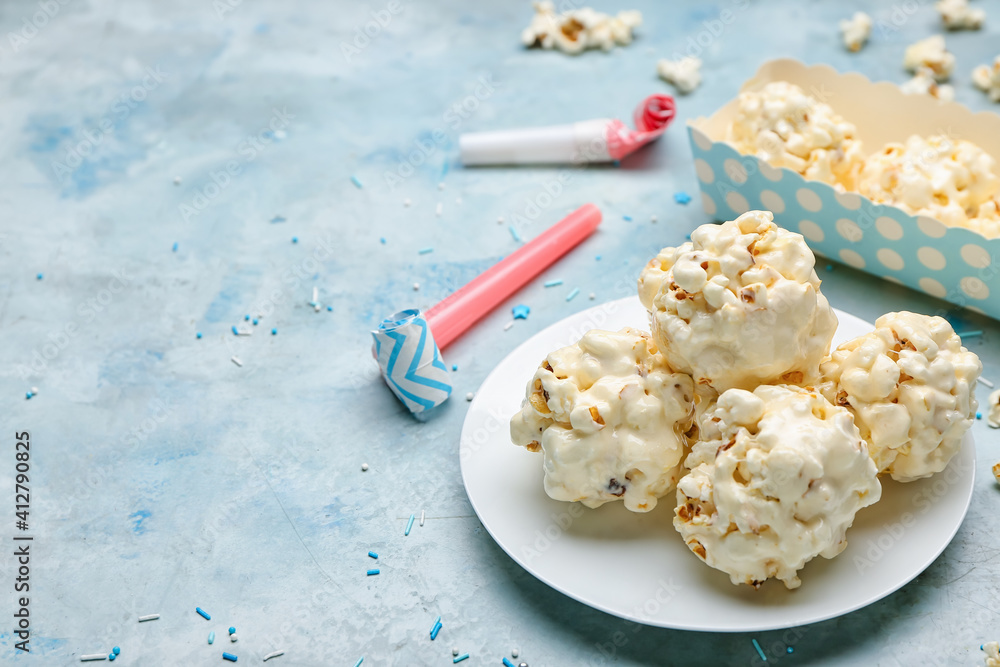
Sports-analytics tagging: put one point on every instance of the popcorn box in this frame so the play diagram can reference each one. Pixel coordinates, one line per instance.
(951, 263)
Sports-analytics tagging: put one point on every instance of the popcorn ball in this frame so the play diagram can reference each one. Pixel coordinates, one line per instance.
(684, 74)
(957, 15)
(992, 651)
(739, 305)
(787, 128)
(987, 79)
(577, 30)
(930, 53)
(610, 417)
(923, 83)
(911, 387)
(775, 481)
(947, 179)
(856, 31)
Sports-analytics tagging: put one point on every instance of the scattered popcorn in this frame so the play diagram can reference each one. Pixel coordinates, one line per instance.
(787, 128)
(576, 30)
(856, 31)
(950, 180)
(911, 387)
(957, 15)
(776, 480)
(930, 53)
(610, 416)
(923, 83)
(993, 416)
(987, 79)
(716, 302)
(684, 74)
(992, 649)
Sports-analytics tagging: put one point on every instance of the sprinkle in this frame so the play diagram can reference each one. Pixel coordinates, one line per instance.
(986, 382)
(514, 653)
(175, 246)
(759, 652)
(508, 663)
(112, 657)
(470, 396)
(424, 251)
(277, 218)
(148, 617)
(202, 612)
(381, 240)
(627, 218)
(513, 232)
(409, 525)
(211, 637)
(295, 239)
(364, 467)
(274, 332)
(39, 276)
(572, 295)
(829, 267)
(254, 321)
(520, 312)
(228, 656)
(372, 554)
(979, 415)
(246, 318)
(232, 630)
(507, 326)
(499, 219)
(116, 650)
(273, 654)
(440, 186)
(372, 573)
(421, 518)
(554, 283)
(329, 309)
(598, 258)
(454, 367)
(790, 650)
(232, 637)
(682, 197)
(177, 180)
(28, 395)
(315, 295)
(93, 656)
(436, 629)
(439, 209)
(357, 182)
(454, 651)
(358, 663)
(416, 286)
(236, 331)
(969, 334)
(239, 363)
(198, 335)
(653, 218)
(406, 202)
(592, 296)
(461, 658)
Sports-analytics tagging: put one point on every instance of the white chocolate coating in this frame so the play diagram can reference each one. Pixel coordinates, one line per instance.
(610, 416)
(940, 177)
(957, 15)
(923, 83)
(992, 651)
(911, 387)
(775, 481)
(856, 31)
(684, 74)
(930, 53)
(987, 79)
(577, 30)
(739, 305)
(785, 127)
(993, 416)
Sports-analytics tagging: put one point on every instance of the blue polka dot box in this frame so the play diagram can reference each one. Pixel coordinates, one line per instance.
(951, 263)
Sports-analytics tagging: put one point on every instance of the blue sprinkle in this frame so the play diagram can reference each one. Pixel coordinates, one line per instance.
(235, 331)
(175, 246)
(116, 650)
(39, 276)
(979, 415)
(969, 334)
(295, 239)
(357, 182)
(688, 237)
(513, 232)
(790, 649)
(435, 630)
(28, 395)
(232, 630)
(358, 663)
(246, 318)
(616, 163)
(329, 309)
(372, 554)
(759, 652)
(211, 637)
(454, 367)
(409, 526)
(507, 663)
(372, 573)
(461, 658)
(274, 332)
(829, 267)
(598, 258)
(553, 283)
(627, 218)
(229, 656)
(203, 613)
(255, 321)
(520, 312)
(382, 240)
(198, 335)
(112, 656)
(682, 197)
(572, 295)
(424, 251)
(277, 218)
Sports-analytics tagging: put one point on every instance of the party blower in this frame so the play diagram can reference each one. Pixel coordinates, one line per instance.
(408, 344)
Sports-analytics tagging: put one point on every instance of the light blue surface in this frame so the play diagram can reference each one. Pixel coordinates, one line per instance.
(165, 477)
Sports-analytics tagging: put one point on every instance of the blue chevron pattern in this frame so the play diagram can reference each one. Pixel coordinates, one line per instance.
(410, 361)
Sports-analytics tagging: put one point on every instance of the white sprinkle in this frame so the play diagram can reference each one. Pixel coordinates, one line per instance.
(232, 637)
(514, 653)
(440, 207)
(440, 186)
(34, 390)
(316, 307)
(500, 220)
(592, 296)
(236, 361)
(177, 180)
(652, 218)
(406, 202)
(315, 295)
(94, 656)
(421, 517)
(364, 467)
(508, 325)
(150, 617)
(416, 286)
(454, 651)
(470, 396)
(273, 654)
(244, 332)
(986, 382)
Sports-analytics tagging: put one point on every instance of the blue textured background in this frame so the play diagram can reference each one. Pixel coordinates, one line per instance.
(165, 477)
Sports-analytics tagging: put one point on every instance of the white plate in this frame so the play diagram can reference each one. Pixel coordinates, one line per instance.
(636, 566)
